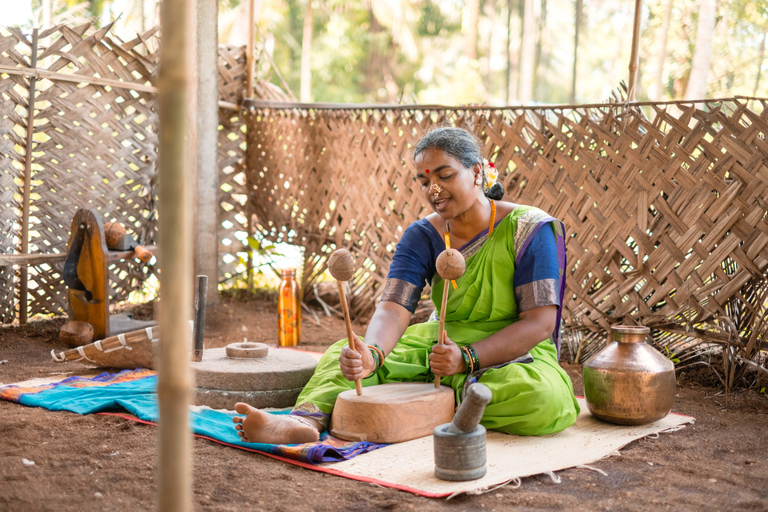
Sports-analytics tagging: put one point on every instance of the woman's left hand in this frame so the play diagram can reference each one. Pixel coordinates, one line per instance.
(446, 359)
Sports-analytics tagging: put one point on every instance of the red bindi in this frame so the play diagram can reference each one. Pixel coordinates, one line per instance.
(427, 171)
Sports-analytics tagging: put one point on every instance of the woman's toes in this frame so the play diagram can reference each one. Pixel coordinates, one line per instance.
(238, 419)
(243, 408)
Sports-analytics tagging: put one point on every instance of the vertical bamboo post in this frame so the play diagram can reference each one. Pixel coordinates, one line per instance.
(27, 180)
(249, 227)
(207, 145)
(176, 250)
(249, 50)
(634, 59)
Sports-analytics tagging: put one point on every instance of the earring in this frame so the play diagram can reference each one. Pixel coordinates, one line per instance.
(478, 181)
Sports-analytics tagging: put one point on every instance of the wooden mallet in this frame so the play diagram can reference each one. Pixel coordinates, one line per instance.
(342, 268)
(117, 238)
(450, 265)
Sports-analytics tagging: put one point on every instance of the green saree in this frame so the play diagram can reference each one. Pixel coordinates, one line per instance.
(529, 398)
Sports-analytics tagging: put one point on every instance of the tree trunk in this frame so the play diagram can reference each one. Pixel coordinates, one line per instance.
(576, 30)
(306, 56)
(702, 54)
(490, 14)
(760, 57)
(46, 24)
(661, 54)
(470, 37)
(541, 58)
(528, 50)
(510, 52)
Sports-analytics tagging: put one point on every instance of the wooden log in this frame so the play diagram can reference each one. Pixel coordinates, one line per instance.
(392, 413)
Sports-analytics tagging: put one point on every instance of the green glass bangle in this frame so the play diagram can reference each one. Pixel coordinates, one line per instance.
(467, 362)
(475, 359)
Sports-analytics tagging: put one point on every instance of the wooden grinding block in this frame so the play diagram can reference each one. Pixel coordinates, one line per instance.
(392, 413)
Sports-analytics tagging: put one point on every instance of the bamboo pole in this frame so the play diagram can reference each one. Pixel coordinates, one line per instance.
(249, 50)
(27, 179)
(175, 310)
(634, 59)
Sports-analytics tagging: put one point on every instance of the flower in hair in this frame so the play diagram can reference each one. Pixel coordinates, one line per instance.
(490, 174)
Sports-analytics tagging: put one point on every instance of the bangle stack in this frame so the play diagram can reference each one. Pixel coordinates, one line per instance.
(378, 356)
(471, 360)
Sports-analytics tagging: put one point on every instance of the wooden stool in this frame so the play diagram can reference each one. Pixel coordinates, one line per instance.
(392, 413)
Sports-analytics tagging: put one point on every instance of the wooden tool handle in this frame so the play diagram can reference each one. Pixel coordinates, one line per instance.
(142, 253)
(441, 330)
(350, 334)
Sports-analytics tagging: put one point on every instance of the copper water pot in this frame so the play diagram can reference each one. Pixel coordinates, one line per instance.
(629, 382)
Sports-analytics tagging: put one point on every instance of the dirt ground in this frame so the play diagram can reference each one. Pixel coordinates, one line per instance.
(107, 463)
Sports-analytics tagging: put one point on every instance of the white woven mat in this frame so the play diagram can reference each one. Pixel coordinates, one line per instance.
(410, 466)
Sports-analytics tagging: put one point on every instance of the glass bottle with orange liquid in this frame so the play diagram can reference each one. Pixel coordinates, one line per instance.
(288, 310)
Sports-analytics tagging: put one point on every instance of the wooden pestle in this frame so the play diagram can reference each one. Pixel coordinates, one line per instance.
(342, 268)
(450, 265)
(471, 409)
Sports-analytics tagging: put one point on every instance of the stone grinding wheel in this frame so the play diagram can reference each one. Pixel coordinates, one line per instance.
(273, 380)
(450, 265)
(113, 232)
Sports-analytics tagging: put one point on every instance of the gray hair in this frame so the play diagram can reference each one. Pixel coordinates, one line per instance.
(461, 145)
(457, 142)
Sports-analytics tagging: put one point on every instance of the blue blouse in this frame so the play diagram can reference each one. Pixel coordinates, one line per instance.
(413, 267)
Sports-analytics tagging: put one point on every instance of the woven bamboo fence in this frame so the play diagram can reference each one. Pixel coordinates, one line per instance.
(666, 216)
(78, 130)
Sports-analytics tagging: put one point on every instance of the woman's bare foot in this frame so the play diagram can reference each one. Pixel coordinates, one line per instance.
(262, 427)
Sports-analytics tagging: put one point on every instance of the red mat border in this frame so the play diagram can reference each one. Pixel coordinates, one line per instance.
(322, 469)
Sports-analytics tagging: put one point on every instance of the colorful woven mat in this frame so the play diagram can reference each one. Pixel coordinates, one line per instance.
(134, 392)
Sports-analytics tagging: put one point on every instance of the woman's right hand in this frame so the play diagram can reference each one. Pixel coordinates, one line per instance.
(356, 364)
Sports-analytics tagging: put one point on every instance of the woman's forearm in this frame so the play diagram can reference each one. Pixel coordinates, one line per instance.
(517, 339)
(387, 325)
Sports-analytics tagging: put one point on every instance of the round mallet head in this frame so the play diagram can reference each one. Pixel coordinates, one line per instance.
(450, 264)
(341, 265)
(113, 232)
(76, 333)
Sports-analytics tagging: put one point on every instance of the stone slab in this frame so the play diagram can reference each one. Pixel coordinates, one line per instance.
(122, 323)
(279, 370)
(220, 399)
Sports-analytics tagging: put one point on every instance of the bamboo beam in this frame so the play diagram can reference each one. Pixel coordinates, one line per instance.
(27, 180)
(175, 311)
(91, 80)
(288, 105)
(249, 50)
(634, 59)
(7, 260)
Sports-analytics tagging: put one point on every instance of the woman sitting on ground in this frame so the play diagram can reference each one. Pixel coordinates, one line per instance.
(502, 320)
